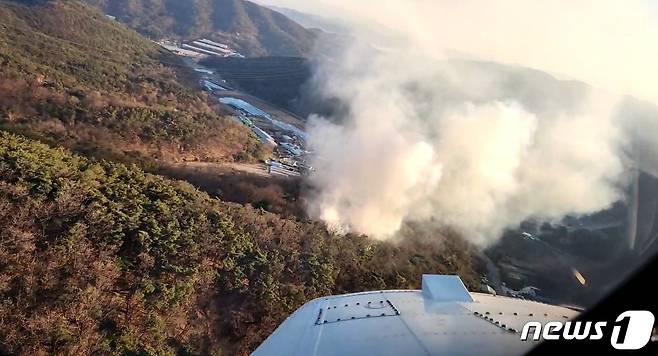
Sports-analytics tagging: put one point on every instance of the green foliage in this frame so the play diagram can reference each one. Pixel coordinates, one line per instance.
(159, 238)
(69, 43)
(101, 257)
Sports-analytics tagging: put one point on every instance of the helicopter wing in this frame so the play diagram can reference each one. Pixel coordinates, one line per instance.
(443, 318)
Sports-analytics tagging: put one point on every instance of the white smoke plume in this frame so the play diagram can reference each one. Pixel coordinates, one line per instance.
(439, 131)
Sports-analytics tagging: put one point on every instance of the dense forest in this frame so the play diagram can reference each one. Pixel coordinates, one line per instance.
(101, 257)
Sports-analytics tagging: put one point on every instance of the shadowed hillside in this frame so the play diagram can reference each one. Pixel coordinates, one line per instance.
(278, 80)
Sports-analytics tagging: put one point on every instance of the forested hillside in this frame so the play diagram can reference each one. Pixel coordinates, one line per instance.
(99, 257)
(252, 29)
(70, 75)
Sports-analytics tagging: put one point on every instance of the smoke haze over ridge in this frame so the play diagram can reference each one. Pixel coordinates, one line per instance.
(438, 131)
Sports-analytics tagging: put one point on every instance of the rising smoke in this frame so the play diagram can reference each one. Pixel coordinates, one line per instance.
(440, 131)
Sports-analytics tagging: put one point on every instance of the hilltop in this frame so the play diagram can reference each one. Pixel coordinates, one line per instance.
(314, 21)
(252, 29)
(71, 76)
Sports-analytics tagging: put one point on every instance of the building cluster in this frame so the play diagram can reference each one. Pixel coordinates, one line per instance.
(200, 48)
(289, 142)
(290, 156)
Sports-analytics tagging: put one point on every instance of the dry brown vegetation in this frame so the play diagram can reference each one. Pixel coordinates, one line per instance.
(71, 76)
(277, 195)
(97, 257)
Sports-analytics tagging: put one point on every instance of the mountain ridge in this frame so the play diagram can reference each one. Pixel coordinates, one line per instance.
(313, 21)
(252, 29)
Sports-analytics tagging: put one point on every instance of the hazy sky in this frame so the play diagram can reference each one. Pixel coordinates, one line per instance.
(610, 44)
